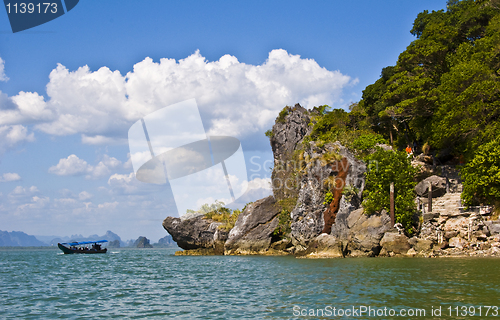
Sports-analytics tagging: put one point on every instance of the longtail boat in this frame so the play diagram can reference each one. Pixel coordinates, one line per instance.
(86, 247)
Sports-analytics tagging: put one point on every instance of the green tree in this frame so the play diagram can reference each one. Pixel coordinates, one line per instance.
(481, 175)
(385, 167)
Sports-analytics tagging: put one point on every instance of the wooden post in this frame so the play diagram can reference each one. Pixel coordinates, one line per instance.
(392, 204)
(429, 208)
(434, 161)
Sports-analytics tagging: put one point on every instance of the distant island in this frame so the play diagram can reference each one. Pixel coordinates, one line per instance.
(21, 239)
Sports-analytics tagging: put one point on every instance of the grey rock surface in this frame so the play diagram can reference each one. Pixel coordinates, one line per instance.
(394, 243)
(367, 231)
(194, 233)
(253, 230)
(493, 226)
(308, 219)
(438, 186)
(287, 134)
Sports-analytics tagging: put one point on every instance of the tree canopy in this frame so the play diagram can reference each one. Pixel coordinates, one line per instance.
(444, 88)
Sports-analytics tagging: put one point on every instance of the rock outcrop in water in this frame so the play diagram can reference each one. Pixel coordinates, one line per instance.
(199, 234)
(303, 174)
(254, 228)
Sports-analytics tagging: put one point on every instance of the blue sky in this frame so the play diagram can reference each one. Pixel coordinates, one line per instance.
(72, 87)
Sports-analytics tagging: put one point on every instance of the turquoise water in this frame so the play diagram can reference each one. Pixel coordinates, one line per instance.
(155, 284)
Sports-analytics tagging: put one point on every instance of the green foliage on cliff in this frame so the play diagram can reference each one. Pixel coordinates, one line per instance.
(283, 113)
(284, 224)
(482, 175)
(329, 126)
(351, 129)
(368, 141)
(217, 212)
(284, 219)
(385, 167)
(349, 191)
(328, 198)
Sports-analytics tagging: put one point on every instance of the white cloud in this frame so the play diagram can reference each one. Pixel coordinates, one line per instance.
(70, 166)
(11, 136)
(22, 195)
(124, 183)
(99, 140)
(7, 177)
(19, 190)
(84, 195)
(74, 166)
(260, 183)
(36, 203)
(234, 98)
(108, 205)
(3, 77)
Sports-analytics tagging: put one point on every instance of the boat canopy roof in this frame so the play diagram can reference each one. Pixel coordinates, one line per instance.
(84, 242)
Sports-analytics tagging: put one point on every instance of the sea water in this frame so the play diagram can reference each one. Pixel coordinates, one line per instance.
(156, 284)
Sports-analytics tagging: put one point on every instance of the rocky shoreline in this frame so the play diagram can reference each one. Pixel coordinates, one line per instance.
(340, 228)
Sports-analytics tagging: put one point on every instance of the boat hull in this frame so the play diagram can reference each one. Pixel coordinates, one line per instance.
(67, 250)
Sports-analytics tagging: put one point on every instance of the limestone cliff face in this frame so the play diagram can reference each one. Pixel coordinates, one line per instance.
(331, 168)
(254, 228)
(287, 134)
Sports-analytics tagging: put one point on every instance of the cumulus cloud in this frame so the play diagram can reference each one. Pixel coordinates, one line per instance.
(74, 166)
(11, 136)
(234, 98)
(124, 183)
(70, 166)
(7, 177)
(3, 77)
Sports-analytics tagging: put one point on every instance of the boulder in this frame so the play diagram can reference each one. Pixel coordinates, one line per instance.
(493, 227)
(438, 186)
(325, 246)
(366, 232)
(457, 242)
(411, 252)
(450, 234)
(195, 233)
(395, 243)
(456, 225)
(254, 228)
(423, 246)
